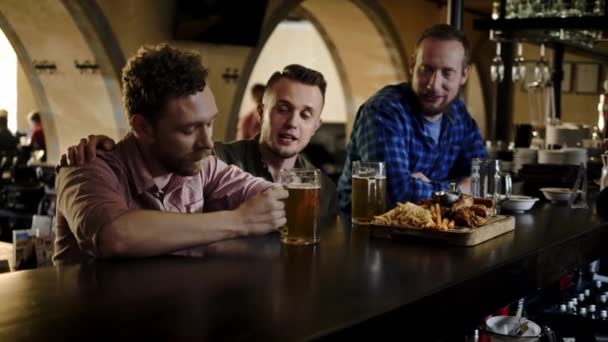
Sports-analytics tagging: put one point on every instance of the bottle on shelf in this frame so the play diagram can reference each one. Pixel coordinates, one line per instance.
(603, 302)
(574, 300)
(598, 289)
(604, 315)
(582, 298)
(592, 311)
(571, 307)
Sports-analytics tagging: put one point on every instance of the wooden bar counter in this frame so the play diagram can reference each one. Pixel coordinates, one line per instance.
(350, 285)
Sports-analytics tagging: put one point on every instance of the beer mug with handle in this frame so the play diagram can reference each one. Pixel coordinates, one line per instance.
(368, 191)
(302, 207)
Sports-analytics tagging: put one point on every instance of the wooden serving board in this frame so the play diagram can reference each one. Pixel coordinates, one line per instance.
(495, 226)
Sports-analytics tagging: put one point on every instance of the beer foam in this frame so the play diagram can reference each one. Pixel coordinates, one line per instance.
(370, 177)
(303, 186)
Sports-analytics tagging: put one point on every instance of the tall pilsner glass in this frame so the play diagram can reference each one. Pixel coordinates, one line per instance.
(302, 207)
(368, 191)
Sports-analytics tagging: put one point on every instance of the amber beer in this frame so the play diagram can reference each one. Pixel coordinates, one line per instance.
(302, 210)
(368, 191)
(302, 207)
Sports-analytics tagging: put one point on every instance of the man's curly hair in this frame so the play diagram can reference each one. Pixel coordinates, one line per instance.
(158, 73)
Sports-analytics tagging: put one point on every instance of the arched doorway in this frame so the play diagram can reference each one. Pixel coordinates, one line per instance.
(310, 51)
(64, 34)
(361, 71)
(8, 83)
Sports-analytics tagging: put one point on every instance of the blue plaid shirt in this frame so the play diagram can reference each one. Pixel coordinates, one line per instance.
(390, 128)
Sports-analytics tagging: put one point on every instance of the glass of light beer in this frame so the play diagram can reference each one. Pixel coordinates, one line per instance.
(368, 191)
(302, 207)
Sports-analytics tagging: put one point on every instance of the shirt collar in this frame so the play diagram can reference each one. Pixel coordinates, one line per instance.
(301, 162)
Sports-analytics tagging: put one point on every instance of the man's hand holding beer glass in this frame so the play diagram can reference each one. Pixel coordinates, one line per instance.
(264, 211)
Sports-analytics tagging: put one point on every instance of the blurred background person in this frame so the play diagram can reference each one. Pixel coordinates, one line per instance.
(35, 139)
(249, 125)
(8, 142)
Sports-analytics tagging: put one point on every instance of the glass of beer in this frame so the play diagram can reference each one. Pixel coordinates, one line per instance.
(302, 207)
(368, 191)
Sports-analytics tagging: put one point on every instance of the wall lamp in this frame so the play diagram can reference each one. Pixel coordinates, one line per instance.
(230, 75)
(45, 66)
(86, 66)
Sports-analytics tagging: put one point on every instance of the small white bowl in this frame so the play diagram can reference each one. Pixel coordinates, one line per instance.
(500, 326)
(557, 194)
(518, 204)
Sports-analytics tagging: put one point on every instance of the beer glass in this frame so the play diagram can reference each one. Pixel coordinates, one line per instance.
(302, 207)
(484, 174)
(368, 191)
(482, 177)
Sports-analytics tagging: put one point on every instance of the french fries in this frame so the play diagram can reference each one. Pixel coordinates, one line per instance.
(427, 216)
(438, 214)
(430, 215)
(440, 223)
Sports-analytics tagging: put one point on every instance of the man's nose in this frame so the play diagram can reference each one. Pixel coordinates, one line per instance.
(434, 81)
(205, 139)
(293, 118)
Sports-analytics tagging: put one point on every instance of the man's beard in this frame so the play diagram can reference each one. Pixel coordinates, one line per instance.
(434, 111)
(188, 165)
(184, 167)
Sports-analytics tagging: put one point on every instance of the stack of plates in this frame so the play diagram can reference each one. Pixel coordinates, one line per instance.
(523, 156)
(565, 156)
(567, 134)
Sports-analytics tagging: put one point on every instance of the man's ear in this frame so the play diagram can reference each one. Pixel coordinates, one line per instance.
(465, 74)
(319, 123)
(142, 128)
(260, 109)
(412, 63)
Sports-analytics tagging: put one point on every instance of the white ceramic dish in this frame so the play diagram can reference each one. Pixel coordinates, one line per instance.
(501, 326)
(557, 194)
(518, 204)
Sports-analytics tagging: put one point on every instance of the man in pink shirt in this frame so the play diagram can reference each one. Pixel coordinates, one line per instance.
(132, 201)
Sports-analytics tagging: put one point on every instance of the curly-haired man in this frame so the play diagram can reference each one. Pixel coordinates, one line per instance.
(131, 201)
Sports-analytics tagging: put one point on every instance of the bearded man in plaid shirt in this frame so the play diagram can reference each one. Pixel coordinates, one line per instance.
(421, 130)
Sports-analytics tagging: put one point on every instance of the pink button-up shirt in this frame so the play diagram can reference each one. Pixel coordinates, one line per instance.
(90, 197)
